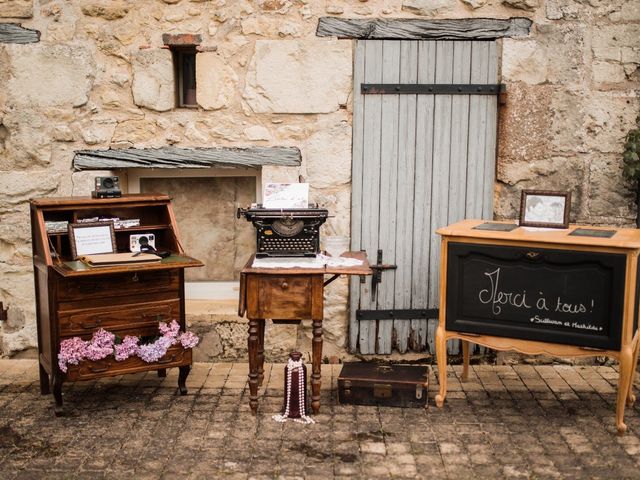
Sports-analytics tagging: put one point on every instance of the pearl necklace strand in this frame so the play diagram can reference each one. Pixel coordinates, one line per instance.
(291, 365)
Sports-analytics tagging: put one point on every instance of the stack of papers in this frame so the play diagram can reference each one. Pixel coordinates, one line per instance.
(111, 259)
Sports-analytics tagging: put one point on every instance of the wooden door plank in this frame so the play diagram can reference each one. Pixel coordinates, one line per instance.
(440, 177)
(405, 204)
(477, 127)
(370, 183)
(388, 188)
(491, 134)
(422, 189)
(356, 188)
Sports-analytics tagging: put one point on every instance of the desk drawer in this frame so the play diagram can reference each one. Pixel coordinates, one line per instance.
(88, 370)
(131, 283)
(284, 297)
(86, 321)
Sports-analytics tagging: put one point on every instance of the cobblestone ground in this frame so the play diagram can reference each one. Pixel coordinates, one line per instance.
(520, 422)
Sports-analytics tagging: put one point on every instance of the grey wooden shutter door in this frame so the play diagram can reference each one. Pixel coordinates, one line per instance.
(419, 162)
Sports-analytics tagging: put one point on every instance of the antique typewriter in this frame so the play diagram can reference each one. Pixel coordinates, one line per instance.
(288, 232)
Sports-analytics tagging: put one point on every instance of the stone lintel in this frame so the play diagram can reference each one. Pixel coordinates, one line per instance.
(14, 33)
(423, 29)
(181, 39)
(172, 157)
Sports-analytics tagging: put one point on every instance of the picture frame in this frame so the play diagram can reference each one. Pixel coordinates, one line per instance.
(91, 238)
(545, 208)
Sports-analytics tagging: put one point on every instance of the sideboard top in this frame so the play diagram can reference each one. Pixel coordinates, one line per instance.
(626, 238)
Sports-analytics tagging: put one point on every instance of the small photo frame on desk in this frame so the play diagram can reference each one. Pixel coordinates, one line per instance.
(91, 238)
(545, 208)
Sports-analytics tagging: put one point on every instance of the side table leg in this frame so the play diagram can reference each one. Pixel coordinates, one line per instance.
(182, 378)
(317, 362)
(441, 358)
(261, 323)
(626, 369)
(465, 360)
(253, 364)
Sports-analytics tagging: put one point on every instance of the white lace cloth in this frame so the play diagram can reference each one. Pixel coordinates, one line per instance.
(294, 262)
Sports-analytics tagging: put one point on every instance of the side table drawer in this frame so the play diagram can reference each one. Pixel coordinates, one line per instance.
(284, 297)
(86, 321)
(130, 283)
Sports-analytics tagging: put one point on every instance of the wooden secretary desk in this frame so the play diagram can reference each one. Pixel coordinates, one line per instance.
(73, 299)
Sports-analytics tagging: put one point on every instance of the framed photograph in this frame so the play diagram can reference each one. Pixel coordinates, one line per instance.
(91, 238)
(543, 208)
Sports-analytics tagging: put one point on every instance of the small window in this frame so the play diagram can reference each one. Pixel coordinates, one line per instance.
(184, 59)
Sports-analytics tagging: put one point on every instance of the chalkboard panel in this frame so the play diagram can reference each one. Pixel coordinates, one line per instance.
(557, 296)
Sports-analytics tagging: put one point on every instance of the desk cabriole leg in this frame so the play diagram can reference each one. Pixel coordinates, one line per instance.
(317, 362)
(441, 358)
(626, 369)
(57, 393)
(44, 381)
(261, 323)
(631, 398)
(182, 378)
(253, 364)
(465, 360)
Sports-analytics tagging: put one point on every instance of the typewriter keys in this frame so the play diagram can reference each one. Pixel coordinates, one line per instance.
(287, 226)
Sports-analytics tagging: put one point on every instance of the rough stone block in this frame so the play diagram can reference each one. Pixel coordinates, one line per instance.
(610, 195)
(609, 116)
(216, 81)
(49, 75)
(567, 121)
(291, 76)
(529, 5)
(27, 141)
(16, 8)
(608, 41)
(604, 72)
(564, 50)
(109, 10)
(153, 85)
(427, 7)
(16, 188)
(523, 61)
(328, 154)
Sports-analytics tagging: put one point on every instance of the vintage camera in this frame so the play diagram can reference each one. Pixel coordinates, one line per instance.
(144, 242)
(106, 187)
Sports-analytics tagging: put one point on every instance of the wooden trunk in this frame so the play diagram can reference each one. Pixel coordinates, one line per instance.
(362, 383)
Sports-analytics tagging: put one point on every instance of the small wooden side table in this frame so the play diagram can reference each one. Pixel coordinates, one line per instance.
(287, 294)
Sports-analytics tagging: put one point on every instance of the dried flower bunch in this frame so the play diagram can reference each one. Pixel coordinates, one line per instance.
(103, 344)
(631, 155)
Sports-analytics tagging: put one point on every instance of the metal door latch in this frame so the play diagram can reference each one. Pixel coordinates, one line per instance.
(376, 278)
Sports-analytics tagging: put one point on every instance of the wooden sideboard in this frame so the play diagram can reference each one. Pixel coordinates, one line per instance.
(287, 295)
(535, 291)
(73, 299)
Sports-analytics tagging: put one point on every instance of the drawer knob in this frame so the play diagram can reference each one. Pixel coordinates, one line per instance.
(285, 285)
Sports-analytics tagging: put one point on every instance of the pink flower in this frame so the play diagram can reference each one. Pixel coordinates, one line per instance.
(128, 348)
(188, 339)
(171, 330)
(101, 345)
(72, 350)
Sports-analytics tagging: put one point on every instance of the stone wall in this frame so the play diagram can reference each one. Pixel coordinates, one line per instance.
(99, 78)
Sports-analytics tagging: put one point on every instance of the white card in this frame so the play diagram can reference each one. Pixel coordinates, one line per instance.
(286, 195)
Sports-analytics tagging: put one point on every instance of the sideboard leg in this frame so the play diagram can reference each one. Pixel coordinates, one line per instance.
(316, 366)
(44, 381)
(631, 398)
(465, 360)
(253, 364)
(261, 323)
(626, 356)
(441, 358)
(182, 378)
(57, 394)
